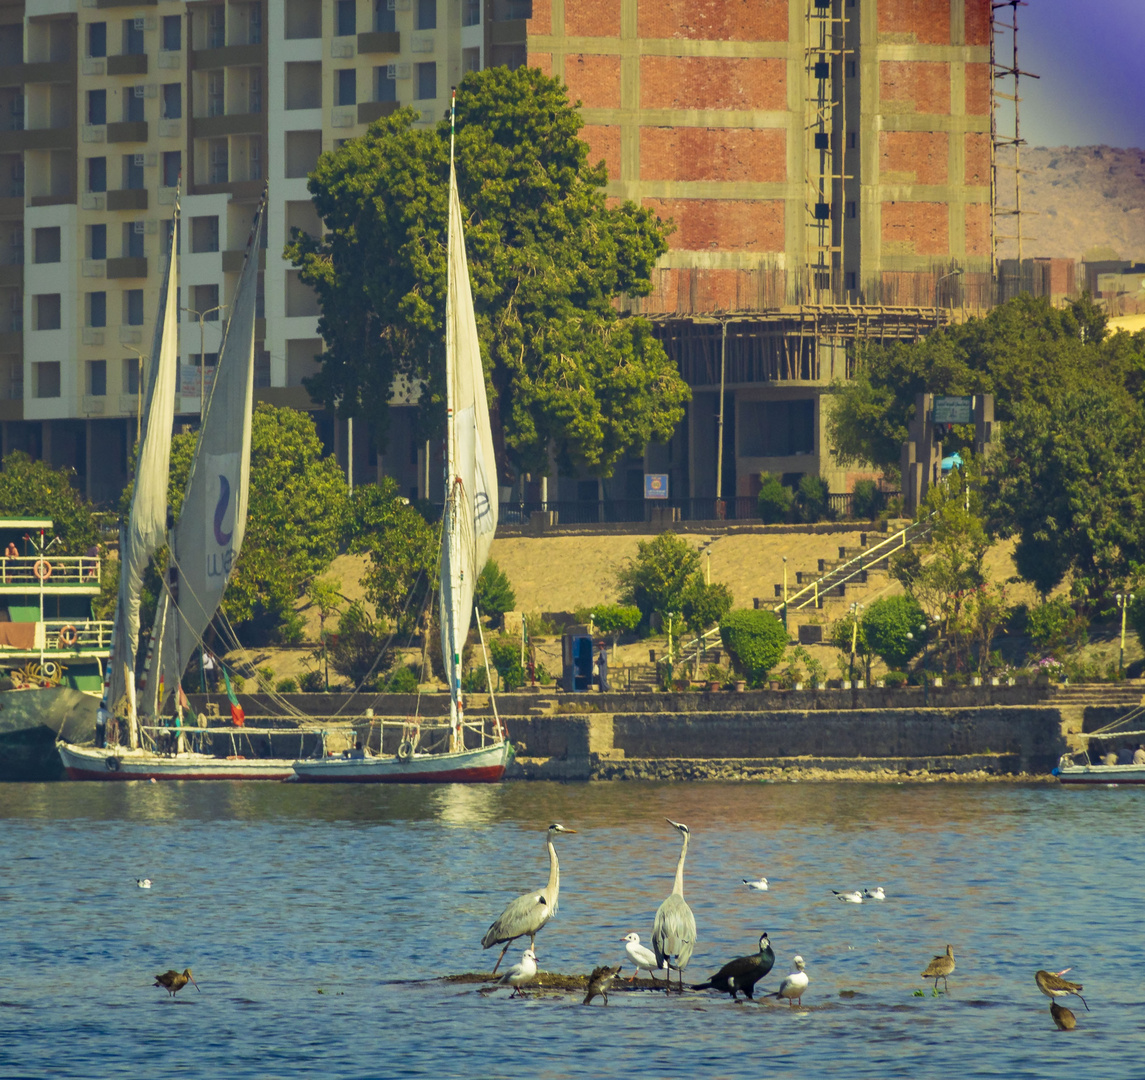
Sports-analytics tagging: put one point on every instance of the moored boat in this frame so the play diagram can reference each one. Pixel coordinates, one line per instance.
(484, 765)
(1070, 771)
(125, 763)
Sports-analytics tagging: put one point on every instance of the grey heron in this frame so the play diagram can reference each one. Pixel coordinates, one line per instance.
(519, 974)
(599, 982)
(528, 913)
(742, 973)
(940, 967)
(674, 928)
(794, 986)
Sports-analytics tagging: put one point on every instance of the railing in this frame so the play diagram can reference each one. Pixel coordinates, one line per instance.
(33, 571)
(90, 635)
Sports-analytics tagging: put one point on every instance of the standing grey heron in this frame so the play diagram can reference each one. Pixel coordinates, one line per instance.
(528, 913)
(674, 928)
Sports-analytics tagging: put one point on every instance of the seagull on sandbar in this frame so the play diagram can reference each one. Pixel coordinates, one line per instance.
(641, 956)
(756, 886)
(519, 974)
(794, 986)
(874, 894)
(854, 897)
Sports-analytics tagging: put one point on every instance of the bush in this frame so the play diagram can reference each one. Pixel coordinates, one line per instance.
(866, 500)
(493, 594)
(312, 682)
(775, 500)
(289, 685)
(655, 580)
(402, 680)
(615, 618)
(1055, 623)
(505, 655)
(475, 681)
(755, 641)
(895, 678)
(813, 500)
(360, 640)
(891, 629)
(705, 605)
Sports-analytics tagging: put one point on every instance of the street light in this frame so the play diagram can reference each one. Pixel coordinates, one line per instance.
(937, 284)
(201, 316)
(855, 609)
(1123, 602)
(925, 681)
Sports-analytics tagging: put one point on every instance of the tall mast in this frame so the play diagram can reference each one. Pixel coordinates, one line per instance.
(452, 485)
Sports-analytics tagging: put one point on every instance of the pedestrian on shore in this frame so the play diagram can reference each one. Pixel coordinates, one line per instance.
(602, 667)
(211, 671)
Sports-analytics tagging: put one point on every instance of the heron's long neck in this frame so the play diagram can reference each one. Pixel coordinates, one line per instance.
(554, 885)
(678, 887)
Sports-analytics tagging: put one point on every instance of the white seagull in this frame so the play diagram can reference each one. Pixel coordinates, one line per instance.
(143, 882)
(640, 955)
(874, 894)
(794, 986)
(519, 974)
(855, 897)
(756, 886)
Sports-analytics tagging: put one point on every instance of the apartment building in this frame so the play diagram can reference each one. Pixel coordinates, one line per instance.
(826, 164)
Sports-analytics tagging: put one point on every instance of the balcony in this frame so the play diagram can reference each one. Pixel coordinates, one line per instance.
(57, 638)
(233, 260)
(127, 131)
(127, 64)
(124, 3)
(380, 41)
(239, 190)
(229, 56)
(214, 127)
(127, 199)
(134, 267)
(369, 111)
(54, 574)
(57, 138)
(66, 199)
(63, 71)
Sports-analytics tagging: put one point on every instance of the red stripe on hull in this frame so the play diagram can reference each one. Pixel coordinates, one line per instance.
(491, 774)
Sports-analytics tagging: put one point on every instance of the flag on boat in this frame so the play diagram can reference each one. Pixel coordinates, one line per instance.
(238, 717)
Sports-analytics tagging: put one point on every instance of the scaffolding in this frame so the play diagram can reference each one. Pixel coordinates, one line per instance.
(825, 145)
(1008, 145)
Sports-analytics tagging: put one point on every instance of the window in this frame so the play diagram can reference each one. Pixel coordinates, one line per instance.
(131, 375)
(205, 301)
(384, 21)
(470, 60)
(172, 166)
(46, 244)
(205, 233)
(133, 37)
(216, 26)
(48, 312)
(97, 106)
(303, 19)
(470, 12)
(385, 88)
(97, 241)
(47, 376)
(427, 80)
(133, 104)
(172, 32)
(97, 174)
(133, 171)
(776, 428)
(347, 87)
(97, 309)
(215, 93)
(97, 39)
(345, 17)
(97, 377)
(427, 14)
(133, 239)
(850, 208)
(850, 279)
(133, 307)
(254, 98)
(254, 24)
(172, 101)
(218, 161)
(304, 85)
(302, 150)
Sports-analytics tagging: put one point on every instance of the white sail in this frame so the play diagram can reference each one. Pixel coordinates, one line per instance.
(470, 472)
(207, 538)
(146, 526)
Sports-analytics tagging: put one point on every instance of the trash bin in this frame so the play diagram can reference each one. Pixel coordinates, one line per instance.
(576, 654)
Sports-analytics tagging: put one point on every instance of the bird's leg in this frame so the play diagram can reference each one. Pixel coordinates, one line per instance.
(501, 957)
(1083, 1002)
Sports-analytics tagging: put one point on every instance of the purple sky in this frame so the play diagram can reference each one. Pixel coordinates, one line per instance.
(1090, 55)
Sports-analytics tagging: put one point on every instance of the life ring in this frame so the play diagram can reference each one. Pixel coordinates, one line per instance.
(405, 750)
(69, 635)
(113, 764)
(42, 569)
(50, 669)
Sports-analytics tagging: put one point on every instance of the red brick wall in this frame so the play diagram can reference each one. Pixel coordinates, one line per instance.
(712, 20)
(592, 18)
(978, 22)
(978, 89)
(544, 61)
(925, 83)
(603, 142)
(922, 156)
(542, 20)
(730, 154)
(978, 229)
(701, 82)
(977, 147)
(921, 227)
(926, 22)
(723, 224)
(594, 80)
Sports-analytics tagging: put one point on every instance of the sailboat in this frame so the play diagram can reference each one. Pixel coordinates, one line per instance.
(203, 546)
(471, 751)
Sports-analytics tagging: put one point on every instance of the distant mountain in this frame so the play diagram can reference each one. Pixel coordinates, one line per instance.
(1083, 199)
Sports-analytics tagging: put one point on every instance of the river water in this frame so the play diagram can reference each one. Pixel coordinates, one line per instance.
(319, 920)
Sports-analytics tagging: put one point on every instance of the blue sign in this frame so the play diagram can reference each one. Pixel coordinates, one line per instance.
(655, 485)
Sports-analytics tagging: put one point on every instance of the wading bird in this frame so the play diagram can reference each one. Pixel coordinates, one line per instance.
(598, 982)
(1063, 1017)
(742, 973)
(756, 886)
(640, 955)
(528, 913)
(674, 928)
(519, 974)
(1054, 986)
(173, 982)
(794, 986)
(940, 967)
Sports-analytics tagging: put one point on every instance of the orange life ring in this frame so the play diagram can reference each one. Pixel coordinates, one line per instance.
(69, 635)
(42, 569)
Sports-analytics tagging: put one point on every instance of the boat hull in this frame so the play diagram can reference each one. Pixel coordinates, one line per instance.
(1100, 774)
(118, 763)
(30, 723)
(483, 766)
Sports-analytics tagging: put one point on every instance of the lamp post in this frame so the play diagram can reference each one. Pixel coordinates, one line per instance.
(855, 609)
(201, 316)
(1123, 602)
(925, 681)
(937, 285)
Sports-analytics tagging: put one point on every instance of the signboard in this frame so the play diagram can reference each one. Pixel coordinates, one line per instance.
(953, 410)
(189, 380)
(655, 485)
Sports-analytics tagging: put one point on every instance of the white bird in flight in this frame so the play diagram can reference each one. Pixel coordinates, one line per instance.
(756, 886)
(874, 894)
(640, 955)
(854, 897)
(143, 882)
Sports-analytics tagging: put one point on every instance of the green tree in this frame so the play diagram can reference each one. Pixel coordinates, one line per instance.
(326, 595)
(656, 579)
(505, 656)
(891, 629)
(494, 594)
(615, 619)
(775, 500)
(360, 647)
(704, 604)
(548, 260)
(755, 641)
(34, 489)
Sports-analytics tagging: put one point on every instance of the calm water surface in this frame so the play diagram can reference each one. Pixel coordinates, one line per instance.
(319, 920)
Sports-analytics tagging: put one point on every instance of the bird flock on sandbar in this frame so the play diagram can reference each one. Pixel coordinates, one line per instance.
(673, 941)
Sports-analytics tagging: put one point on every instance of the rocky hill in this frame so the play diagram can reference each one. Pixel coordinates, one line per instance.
(1082, 200)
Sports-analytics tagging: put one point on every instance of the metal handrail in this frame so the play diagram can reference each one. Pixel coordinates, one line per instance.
(37, 570)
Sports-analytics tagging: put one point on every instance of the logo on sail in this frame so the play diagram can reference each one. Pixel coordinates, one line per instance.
(222, 494)
(222, 538)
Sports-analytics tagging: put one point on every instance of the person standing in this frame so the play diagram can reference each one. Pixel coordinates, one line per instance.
(211, 671)
(602, 668)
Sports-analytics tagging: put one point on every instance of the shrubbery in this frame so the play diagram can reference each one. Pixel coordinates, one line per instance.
(1055, 623)
(813, 500)
(775, 500)
(866, 500)
(755, 641)
(891, 629)
(494, 594)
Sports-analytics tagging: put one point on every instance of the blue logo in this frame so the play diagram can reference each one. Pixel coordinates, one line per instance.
(222, 538)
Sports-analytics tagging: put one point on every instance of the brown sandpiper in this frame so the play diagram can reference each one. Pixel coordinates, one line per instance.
(940, 967)
(1054, 986)
(173, 982)
(599, 982)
